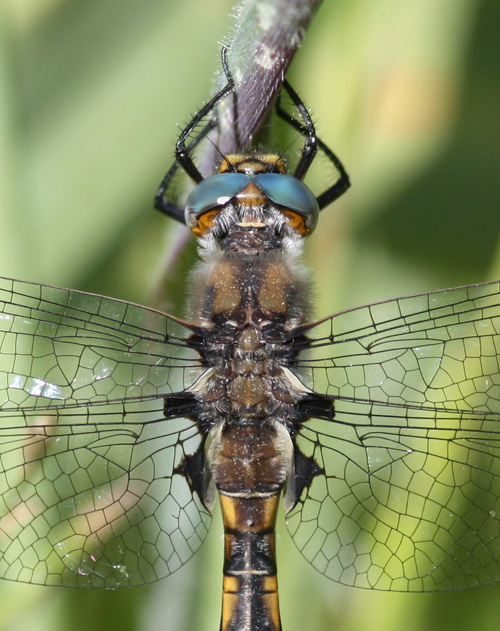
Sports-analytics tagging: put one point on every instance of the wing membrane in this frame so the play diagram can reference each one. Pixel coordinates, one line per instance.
(440, 349)
(60, 347)
(89, 495)
(410, 497)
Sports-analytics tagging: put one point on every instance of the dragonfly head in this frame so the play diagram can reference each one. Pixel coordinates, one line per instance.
(254, 194)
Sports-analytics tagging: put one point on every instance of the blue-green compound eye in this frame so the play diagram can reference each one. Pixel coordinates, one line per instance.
(281, 189)
(286, 190)
(212, 192)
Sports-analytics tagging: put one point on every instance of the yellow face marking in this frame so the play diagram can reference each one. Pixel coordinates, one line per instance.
(251, 224)
(251, 195)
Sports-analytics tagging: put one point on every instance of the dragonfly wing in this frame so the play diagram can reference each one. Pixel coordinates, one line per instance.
(440, 348)
(63, 347)
(89, 492)
(409, 493)
(408, 499)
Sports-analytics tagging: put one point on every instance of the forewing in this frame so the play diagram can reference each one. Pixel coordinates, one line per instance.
(89, 494)
(410, 496)
(62, 347)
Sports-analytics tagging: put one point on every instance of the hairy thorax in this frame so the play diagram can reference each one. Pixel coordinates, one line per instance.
(247, 307)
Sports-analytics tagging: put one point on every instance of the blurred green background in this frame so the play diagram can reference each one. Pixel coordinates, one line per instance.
(91, 96)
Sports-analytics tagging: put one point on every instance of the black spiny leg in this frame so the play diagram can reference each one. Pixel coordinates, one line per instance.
(161, 203)
(308, 130)
(183, 153)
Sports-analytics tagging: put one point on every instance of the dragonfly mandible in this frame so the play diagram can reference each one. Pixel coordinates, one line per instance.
(121, 425)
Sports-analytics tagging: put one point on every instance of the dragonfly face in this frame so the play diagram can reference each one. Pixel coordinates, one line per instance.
(120, 425)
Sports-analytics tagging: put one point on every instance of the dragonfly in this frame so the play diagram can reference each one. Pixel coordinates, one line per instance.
(121, 426)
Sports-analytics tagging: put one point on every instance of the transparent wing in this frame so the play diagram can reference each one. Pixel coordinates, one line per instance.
(62, 347)
(89, 494)
(439, 348)
(410, 496)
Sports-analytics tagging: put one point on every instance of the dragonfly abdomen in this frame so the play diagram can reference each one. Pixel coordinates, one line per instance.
(250, 464)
